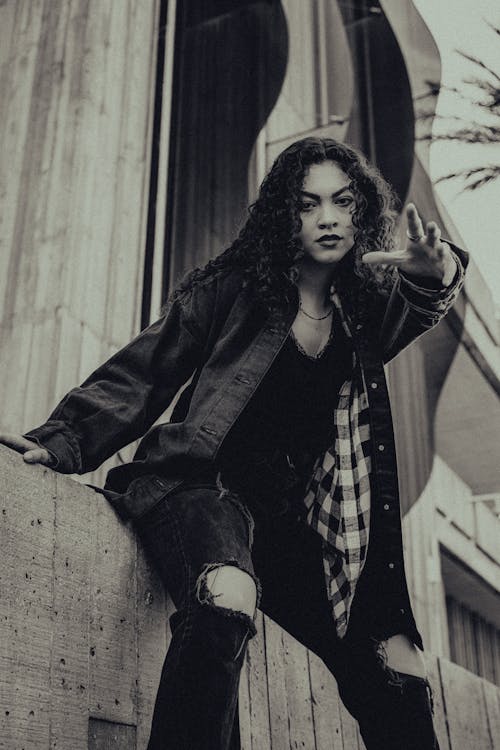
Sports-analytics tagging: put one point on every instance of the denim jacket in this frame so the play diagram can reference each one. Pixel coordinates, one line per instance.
(221, 338)
(218, 335)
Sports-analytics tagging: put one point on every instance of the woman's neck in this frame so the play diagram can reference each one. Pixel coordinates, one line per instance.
(314, 284)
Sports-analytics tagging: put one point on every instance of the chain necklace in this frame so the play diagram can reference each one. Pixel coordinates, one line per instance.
(323, 317)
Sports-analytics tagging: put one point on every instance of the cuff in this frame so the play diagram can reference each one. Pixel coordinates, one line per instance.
(427, 294)
(62, 445)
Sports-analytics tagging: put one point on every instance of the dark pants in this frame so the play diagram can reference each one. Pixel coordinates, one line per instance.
(200, 526)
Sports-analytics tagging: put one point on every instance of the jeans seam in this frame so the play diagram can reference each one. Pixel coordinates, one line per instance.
(186, 602)
(234, 498)
(176, 528)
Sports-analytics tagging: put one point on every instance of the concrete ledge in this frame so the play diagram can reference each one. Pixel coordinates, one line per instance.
(82, 616)
(83, 630)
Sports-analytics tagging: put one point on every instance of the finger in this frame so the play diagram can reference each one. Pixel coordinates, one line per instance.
(38, 456)
(415, 226)
(378, 256)
(433, 233)
(18, 442)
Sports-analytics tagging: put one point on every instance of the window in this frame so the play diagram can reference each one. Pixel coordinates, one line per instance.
(473, 619)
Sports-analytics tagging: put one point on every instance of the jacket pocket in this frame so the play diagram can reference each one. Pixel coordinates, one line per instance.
(142, 495)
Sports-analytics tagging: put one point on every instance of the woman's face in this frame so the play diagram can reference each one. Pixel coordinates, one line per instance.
(326, 211)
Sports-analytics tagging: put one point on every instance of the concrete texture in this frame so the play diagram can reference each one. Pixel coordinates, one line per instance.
(83, 630)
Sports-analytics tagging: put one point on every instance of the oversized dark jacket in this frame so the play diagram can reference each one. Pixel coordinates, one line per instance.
(220, 333)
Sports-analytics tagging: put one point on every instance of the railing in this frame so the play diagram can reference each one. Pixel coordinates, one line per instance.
(83, 626)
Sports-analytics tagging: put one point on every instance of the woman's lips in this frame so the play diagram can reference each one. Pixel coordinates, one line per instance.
(328, 241)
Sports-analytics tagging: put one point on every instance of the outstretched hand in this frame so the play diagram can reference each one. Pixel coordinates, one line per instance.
(32, 453)
(424, 253)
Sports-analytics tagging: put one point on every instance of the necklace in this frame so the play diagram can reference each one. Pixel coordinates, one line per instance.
(312, 316)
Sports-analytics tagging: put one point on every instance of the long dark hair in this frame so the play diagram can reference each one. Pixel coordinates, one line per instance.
(268, 249)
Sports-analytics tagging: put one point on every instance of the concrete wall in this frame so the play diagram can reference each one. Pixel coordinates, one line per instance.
(82, 616)
(76, 95)
(83, 629)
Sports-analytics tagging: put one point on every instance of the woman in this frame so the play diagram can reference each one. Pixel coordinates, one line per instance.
(274, 483)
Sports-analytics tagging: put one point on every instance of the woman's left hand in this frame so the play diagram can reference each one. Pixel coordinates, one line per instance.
(424, 255)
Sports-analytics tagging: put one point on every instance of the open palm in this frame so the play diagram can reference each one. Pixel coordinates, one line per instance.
(424, 254)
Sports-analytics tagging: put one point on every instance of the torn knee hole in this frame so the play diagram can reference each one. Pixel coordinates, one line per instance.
(394, 677)
(227, 586)
(399, 679)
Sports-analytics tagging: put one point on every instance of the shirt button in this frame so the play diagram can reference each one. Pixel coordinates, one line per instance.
(374, 385)
(391, 565)
(386, 506)
(381, 447)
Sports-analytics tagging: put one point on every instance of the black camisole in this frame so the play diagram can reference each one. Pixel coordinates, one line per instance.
(289, 419)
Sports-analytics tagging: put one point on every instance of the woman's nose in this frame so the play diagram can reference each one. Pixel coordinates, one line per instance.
(327, 217)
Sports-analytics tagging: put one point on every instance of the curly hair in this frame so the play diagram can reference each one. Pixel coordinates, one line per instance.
(268, 249)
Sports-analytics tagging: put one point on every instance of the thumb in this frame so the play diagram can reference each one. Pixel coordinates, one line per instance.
(38, 456)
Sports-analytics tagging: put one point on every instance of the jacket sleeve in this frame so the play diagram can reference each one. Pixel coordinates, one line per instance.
(418, 304)
(123, 398)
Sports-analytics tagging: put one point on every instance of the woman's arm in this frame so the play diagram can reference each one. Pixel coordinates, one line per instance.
(122, 399)
(430, 274)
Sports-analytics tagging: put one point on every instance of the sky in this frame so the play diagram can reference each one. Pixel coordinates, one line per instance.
(462, 25)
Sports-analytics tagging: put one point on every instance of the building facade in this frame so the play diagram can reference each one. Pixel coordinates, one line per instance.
(134, 136)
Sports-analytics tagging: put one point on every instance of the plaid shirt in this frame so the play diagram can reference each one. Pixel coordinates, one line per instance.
(338, 493)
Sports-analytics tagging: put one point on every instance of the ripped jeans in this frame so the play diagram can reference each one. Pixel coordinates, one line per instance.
(200, 526)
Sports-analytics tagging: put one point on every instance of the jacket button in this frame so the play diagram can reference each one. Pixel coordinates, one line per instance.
(374, 385)
(386, 506)
(381, 447)
(391, 565)
(402, 610)
(359, 327)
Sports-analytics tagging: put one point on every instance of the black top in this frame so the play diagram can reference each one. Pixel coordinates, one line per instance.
(289, 420)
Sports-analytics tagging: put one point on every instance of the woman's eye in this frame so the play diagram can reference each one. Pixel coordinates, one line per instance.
(346, 200)
(307, 205)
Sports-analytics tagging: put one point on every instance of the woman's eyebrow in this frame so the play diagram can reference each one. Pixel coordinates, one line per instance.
(318, 197)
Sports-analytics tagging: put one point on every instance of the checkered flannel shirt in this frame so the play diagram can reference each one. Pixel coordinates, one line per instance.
(338, 493)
